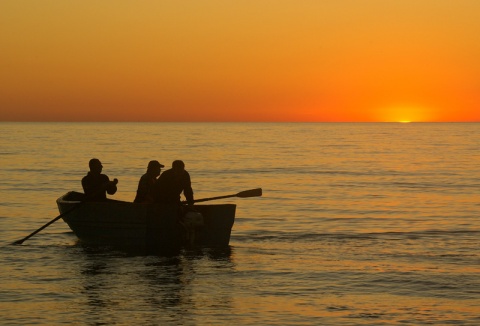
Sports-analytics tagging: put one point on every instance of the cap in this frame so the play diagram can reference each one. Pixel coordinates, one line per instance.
(155, 164)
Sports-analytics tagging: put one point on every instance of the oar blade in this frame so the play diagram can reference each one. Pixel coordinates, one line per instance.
(250, 193)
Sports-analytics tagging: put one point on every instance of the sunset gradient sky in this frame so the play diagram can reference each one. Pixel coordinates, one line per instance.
(252, 60)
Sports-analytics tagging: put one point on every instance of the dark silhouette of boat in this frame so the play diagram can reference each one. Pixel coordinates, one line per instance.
(115, 222)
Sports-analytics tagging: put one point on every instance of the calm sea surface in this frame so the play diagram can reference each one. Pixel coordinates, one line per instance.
(360, 224)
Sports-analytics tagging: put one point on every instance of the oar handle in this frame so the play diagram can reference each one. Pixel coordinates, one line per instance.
(242, 194)
(213, 198)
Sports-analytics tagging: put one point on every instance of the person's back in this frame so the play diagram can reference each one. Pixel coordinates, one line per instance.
(95, 184)
(147, 183)
(172, 183)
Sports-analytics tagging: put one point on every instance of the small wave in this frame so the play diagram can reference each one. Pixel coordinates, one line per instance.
(413, 283)
(306, 237)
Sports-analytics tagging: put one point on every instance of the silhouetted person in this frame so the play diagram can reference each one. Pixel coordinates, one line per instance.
(172, 183)
(147, 182)
(95, 184)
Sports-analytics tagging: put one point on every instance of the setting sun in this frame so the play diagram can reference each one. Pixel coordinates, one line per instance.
(405, 114)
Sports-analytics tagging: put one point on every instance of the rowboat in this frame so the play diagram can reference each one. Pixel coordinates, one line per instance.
(115, 222)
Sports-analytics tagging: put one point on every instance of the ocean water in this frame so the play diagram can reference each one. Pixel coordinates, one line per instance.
(359, 224)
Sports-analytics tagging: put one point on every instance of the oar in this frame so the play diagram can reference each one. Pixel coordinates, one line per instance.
(52, 221)
(61, 215)
(242, 194)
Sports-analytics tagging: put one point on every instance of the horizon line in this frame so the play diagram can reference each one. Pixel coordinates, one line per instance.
(141, 121)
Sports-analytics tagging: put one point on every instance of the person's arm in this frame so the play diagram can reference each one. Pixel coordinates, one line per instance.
(85, 187)
(141, 190)
(187, 190)
(89, 188)
(111, 186)
(158, 189)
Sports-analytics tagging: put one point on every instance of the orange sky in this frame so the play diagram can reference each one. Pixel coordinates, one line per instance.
(252, 60)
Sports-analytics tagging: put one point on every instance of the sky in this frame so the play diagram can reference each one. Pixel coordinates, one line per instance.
(250, 60)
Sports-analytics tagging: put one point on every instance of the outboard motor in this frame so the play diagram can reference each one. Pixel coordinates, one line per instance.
(192, 221)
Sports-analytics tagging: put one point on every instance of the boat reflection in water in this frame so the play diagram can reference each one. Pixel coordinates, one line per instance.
(160, 288)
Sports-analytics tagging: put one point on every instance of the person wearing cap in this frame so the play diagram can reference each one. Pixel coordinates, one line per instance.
(95, 184)
(172, 183)
(147, 182)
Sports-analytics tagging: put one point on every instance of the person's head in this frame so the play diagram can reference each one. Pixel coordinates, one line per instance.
(178, 167)
(95, 166)
(154, 168)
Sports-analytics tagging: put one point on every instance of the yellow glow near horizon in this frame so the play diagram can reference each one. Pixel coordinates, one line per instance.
(406, 114)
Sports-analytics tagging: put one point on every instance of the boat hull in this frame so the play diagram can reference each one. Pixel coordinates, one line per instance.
(129, 224)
